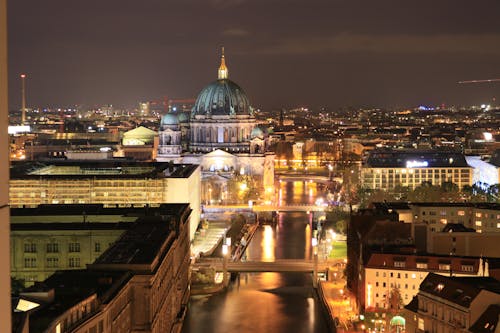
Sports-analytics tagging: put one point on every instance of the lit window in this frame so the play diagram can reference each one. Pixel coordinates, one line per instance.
(444, 267)
(414, 276)
(478, 223)
(479, 214)
(467, 268)
(443, 221)
(461, 213)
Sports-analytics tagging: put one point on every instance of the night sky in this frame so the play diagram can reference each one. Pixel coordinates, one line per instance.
(283, 53)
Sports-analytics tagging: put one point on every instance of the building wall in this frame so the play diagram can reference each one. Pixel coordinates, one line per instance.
(5, 307)
(388, 178)
(34, 256)
(382, 282)
(464, 243)
(187, 191)
(109, 191)
(436, 217)
(440, 316)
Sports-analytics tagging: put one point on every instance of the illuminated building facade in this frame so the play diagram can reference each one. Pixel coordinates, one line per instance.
(220, 134)
(387, 169)
(385, 273)
(453, 304)
(111, 183)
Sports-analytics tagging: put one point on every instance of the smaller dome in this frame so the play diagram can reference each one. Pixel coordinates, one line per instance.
(169, 119)
(259, 132)
(183, 117)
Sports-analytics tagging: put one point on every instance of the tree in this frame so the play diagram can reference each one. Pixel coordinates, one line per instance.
(394, 300)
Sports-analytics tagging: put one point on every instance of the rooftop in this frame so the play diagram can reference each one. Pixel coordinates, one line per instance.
(99, 169)
(70, 288)
(488, 321)
(459, 290)
(144, 241)
(415, 158)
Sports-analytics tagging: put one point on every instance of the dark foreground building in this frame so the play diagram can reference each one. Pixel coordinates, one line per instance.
(139, 284)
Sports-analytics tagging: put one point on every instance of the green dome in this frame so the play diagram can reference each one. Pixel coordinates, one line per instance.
(182, 117)
(222, 97)
(169, 119)
(397, 321)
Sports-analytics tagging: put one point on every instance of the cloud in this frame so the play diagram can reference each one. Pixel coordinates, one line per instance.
(235, 32)
(223, 4)
(393, 44)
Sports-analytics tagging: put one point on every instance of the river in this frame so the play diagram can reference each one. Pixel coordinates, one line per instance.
(267, 302)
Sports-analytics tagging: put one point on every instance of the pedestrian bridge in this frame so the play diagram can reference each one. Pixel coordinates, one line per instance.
(279, 265)
(265, 208)
(288, 208)
(303, 177)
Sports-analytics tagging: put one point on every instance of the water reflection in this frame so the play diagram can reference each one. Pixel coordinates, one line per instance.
(267, 244)
(267, 302)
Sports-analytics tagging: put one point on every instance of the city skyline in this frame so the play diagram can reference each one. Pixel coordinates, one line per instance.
(283, 54)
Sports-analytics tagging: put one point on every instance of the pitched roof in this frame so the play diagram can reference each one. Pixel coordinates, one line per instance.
(459, 290)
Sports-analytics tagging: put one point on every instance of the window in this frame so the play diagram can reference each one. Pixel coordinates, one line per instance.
(478, 223)
(29, 262)
(383, 284)
(399, 264)
(392, 274)
(52, 248)
(52, 262)
(422, 265)
(74, 262)
(29, 248)
(97, 247)
(461, 213)
(376, 284)
(74, 247)
(479, 214)
(444, 267)
(467, 268)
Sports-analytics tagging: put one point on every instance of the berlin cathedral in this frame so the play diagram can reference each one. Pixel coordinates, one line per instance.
(221, 135)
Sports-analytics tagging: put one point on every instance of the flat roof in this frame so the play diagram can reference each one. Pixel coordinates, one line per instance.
(415, 158)
(99, 169)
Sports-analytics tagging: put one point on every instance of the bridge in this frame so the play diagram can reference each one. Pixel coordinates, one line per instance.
(303, 177)
(279, 265)
(265, 208)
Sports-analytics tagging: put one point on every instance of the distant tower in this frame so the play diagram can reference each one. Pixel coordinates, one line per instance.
(223, 72)
(23, 99)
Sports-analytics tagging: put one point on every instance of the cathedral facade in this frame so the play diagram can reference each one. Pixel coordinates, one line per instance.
(221, 135)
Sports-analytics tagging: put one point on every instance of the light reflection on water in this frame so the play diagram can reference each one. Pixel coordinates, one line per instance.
(267, 302)
(268, 244)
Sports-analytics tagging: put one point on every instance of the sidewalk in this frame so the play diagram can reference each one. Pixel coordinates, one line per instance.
(339, 303)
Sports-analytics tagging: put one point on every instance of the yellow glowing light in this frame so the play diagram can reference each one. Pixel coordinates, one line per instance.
(268, 244)
(369, 295)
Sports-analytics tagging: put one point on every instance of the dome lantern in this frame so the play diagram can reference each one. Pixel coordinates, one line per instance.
(223, 73)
